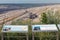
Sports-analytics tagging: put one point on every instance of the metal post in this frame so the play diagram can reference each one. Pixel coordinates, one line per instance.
(27, 36)
(2, 38)
(2, 27)
(32, 36)
(40, 37)
(57, 36)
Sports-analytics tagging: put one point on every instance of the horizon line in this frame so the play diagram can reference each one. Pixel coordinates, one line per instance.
(29, 3)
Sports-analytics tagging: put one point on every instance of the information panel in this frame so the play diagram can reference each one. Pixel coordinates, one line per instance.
(39, 28)
(15, 28)
(59, 26)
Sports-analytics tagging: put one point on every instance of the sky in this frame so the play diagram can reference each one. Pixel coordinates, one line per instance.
(29, 1)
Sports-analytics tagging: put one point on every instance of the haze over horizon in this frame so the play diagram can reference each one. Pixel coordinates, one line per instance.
(29, 1)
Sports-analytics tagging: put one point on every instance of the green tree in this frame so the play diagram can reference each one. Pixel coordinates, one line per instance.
(44, 18)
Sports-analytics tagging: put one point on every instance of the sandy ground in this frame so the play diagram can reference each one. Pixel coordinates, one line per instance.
(20, 13)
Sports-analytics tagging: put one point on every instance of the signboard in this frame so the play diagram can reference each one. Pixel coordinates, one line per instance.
(59, 26)
(15, 28)
(39, 28)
